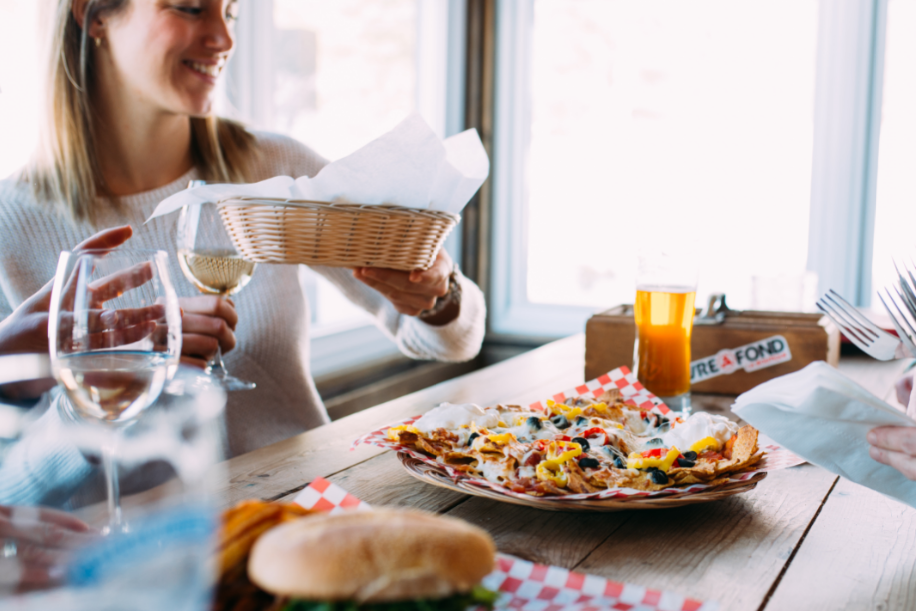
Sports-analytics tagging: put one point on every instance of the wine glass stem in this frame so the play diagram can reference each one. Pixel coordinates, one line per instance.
(217, 367)
(110, 465)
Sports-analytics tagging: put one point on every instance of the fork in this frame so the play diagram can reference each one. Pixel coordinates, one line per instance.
(904, 318)
(862, 332)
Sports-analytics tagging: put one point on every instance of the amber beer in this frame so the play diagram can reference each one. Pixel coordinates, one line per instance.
(664, 322)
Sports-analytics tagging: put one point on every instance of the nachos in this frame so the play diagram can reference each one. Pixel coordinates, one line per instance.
(581, 446)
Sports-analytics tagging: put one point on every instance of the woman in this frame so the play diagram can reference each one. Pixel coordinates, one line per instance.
(131, 88)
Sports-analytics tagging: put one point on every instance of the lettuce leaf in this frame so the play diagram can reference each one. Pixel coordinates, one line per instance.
(479, 597)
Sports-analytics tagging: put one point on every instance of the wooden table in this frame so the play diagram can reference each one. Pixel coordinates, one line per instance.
(803, 539)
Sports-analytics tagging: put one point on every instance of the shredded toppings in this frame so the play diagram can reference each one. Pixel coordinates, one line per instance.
(566, 451)
(407, 428)
(558, 452)
(653, 458)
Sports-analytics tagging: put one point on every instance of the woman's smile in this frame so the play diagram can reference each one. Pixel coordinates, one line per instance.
(209, 69)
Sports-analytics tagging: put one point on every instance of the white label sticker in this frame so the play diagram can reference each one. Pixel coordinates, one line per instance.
(758, 355)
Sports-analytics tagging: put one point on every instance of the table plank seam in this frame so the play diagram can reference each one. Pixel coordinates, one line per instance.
(600, 543)
(454, 505)
(801, 540)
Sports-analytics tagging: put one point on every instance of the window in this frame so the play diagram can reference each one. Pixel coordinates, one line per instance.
(896, 190)
(708, 125)
(336, 75)
(19, 83)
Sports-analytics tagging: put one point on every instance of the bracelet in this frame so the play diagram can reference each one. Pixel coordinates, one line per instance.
(448, 307)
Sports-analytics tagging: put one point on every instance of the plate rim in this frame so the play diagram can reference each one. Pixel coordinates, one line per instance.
(413, 466)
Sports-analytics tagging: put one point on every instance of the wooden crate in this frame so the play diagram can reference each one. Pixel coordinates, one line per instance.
(609, 338)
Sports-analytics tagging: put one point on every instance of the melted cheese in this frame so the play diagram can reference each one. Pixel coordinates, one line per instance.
(700, 426)
(451, 416)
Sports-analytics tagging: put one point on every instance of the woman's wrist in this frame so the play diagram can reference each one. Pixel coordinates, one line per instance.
(447, 307)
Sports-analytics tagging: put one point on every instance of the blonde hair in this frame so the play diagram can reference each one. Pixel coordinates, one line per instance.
(65, 170)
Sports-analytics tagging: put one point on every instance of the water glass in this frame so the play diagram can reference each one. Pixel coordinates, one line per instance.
(52, 493)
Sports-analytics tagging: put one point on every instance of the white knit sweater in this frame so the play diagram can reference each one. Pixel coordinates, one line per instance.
(272, 331)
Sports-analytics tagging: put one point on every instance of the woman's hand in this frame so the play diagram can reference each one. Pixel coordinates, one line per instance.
(207, 321)
(895, 446)
(410, 292)
(26, 329)
(41, 541)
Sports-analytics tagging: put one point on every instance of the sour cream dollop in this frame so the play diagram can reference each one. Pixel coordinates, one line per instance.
(453, 416)
(699, 426)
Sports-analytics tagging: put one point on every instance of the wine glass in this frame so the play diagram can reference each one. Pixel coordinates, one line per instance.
(114, 335)
(210, 261)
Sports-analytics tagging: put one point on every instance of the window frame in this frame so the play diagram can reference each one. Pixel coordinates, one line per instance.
(848, 84)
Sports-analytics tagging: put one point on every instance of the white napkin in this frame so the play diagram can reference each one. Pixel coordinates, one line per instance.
(823, 416)
(409, 166)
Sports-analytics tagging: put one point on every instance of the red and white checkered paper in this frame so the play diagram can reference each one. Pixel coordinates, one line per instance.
(636, 394)
(631, 391)
(526, 586)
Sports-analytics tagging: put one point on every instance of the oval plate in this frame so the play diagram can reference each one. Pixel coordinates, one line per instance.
(438, 477)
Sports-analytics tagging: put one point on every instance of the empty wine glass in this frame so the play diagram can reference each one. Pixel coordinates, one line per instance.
(115, 340)
(211, 263)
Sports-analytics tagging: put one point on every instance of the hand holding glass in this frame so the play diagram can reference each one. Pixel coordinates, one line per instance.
(115, 340)
(210, 262)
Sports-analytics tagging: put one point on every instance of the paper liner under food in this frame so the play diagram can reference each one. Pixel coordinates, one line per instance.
(322, 495)
(527, 586)
(775, 457)
(631, 391)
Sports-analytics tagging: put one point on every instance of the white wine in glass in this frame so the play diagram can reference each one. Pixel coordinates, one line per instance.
(114, 334)
(113, 386)
(210, 261)
(217, 271)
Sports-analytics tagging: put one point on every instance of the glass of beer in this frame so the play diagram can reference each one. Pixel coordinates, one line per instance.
(665, 293)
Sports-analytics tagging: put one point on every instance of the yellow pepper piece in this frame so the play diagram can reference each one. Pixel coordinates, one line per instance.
(704, 444)
(638, 461)
(599, 407)
(393, 431)
(502, 439)
(549, 469)
(563, 409)
(551, 472)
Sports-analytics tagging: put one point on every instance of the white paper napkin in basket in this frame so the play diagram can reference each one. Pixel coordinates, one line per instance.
(824, 417)
(408, 166)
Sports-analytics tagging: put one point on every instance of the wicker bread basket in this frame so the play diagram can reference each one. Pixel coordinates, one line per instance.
(336, 235)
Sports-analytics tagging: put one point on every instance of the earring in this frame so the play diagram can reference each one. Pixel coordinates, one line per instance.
(98, 42)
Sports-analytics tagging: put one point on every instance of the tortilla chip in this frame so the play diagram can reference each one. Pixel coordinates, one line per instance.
(610, 396)
(745, 445)
(406, 438)
(577, 482)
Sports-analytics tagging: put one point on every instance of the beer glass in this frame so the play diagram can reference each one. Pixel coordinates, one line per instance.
(664, 309)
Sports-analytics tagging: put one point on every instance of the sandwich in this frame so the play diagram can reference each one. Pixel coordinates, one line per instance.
(383, 560)
(241, 527)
